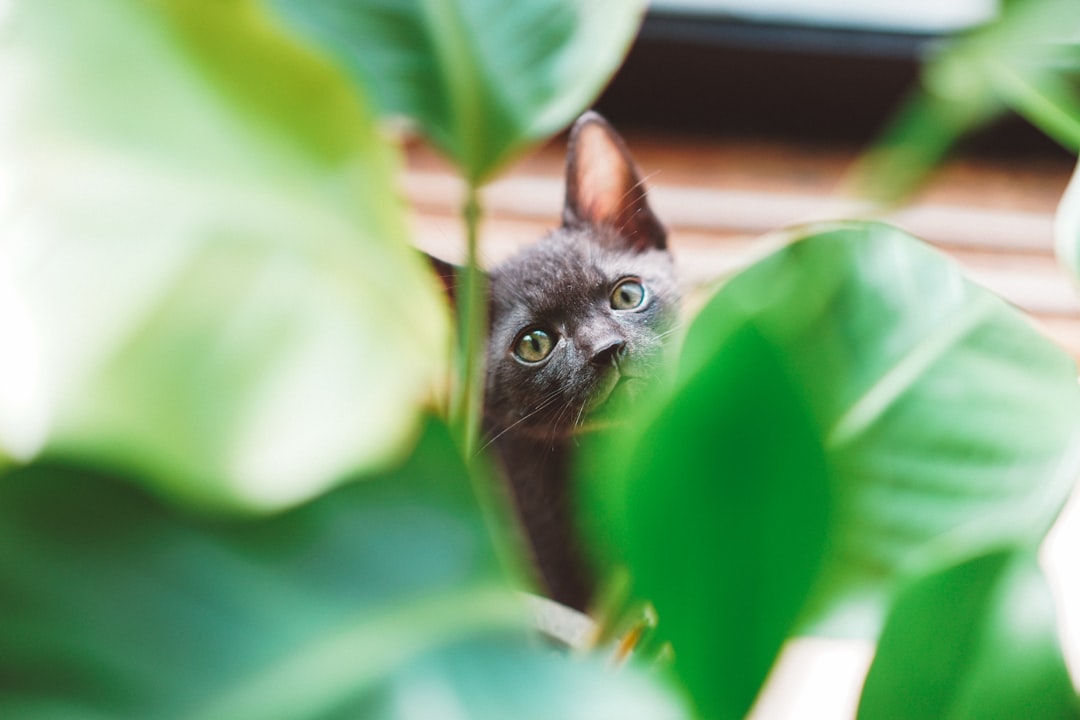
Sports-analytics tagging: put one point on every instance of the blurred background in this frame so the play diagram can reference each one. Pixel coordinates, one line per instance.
(747, 115)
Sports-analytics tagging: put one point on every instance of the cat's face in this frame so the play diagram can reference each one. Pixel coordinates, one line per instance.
(580, 318)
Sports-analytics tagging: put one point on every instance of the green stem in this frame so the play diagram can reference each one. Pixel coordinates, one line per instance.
(467, 407)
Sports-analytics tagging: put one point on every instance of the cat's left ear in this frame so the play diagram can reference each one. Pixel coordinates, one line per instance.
(603, 187)
(447, 273)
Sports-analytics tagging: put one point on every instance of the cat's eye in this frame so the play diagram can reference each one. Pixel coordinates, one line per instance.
(628, 295)
(534, 345)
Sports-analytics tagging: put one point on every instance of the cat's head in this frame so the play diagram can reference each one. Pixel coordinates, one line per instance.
(580, 317)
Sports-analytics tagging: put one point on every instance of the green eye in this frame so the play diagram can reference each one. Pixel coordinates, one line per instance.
(628, 295)
(534, 345)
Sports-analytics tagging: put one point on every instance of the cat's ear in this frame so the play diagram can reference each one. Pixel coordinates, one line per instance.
(448, 275)
(603, 187)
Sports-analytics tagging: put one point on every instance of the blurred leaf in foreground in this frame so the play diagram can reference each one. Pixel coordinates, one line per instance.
(718, 503)
(382, 598)
(483, 78)
(1027, 60)
(209, 280)
(975, 641)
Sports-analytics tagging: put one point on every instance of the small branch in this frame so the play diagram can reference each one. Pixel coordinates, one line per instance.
(467, 406)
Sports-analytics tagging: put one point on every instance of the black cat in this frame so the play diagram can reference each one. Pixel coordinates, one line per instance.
(577, 320)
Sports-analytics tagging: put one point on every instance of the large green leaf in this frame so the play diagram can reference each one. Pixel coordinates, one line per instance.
(975, 641)
(718, 504)
(382, 598)
(483, 78)
(950, 424)
(204, 270)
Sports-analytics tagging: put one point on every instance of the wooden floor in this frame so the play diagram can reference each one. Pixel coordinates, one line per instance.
(718, 197)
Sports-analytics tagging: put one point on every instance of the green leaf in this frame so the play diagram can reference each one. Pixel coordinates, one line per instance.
(917, 138)
(1024, 61)
(717, 503)
(483, 78)
(975, 641)
(950, 424)
(382, 598)
(206, 264)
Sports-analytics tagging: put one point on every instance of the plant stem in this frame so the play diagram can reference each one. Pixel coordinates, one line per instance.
(467, 406)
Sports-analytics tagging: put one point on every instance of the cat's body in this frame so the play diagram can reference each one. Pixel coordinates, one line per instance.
(576, 321)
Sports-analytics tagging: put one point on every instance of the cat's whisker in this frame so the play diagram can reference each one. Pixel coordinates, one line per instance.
(557, 420)
(540, 407)
(557, 433)
(564, 412)
(544, 403)
(670, 331)
(580, 412)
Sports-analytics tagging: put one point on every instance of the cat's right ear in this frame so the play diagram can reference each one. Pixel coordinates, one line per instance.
(604, 188)
(448, 275)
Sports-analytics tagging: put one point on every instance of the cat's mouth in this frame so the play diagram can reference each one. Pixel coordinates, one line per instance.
(615, 391)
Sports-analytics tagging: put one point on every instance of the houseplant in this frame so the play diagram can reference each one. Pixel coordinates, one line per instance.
(238, 483)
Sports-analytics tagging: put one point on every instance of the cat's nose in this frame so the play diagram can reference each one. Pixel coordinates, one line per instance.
(611, 353)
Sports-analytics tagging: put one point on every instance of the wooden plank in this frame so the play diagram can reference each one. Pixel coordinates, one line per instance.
(721, 210)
